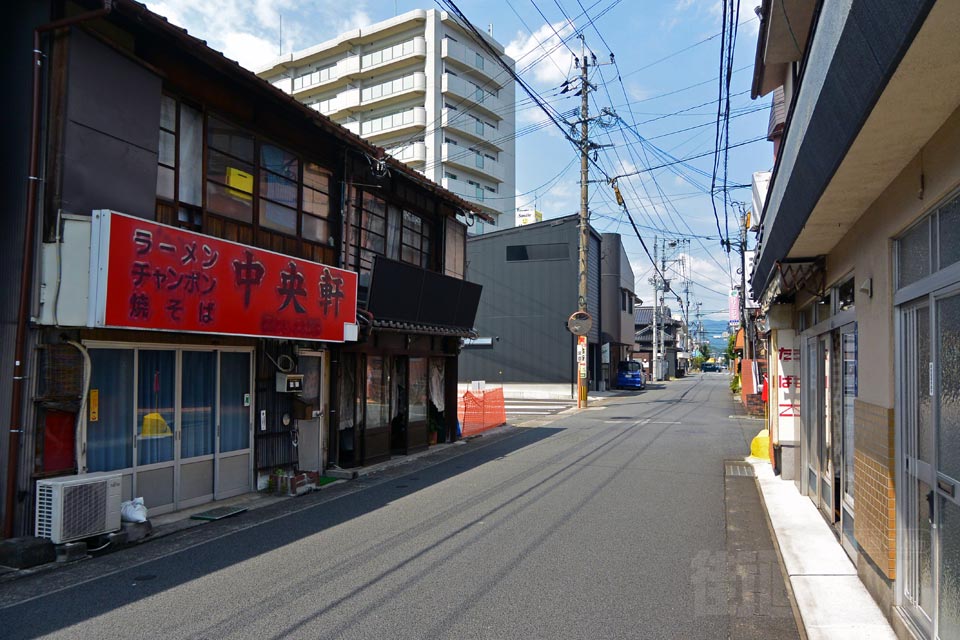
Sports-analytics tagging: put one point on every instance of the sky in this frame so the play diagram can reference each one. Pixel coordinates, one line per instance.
(663, 89)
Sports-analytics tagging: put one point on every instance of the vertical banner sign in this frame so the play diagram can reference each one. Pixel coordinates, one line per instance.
(582, 356)
(788, 385)
(151, 276)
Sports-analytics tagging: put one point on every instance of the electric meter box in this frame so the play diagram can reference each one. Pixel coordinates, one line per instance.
(289, 382)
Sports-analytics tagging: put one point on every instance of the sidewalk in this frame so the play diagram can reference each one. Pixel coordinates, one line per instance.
(832, 601)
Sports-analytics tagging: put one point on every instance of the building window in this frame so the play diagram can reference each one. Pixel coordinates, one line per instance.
(230, 171)
(167, 150)
(312, 77)
(389, 121)
(180, 164)
(316, 204)
(388, 54)
(479, 61)
(534, 252)
(931, 245)
(279, 173)
(387, 88)
(845, 295)
(454, 261)
(415, 240)
(373, 231)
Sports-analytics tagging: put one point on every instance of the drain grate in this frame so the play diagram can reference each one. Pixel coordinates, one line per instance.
(738, 469)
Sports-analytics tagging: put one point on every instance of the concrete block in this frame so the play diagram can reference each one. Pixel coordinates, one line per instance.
(25, 552)
(71, 551)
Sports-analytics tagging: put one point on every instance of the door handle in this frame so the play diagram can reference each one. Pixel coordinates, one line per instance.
(930, 506)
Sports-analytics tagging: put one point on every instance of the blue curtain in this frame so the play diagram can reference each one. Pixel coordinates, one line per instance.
(155, 406)
(197, 397)
(234, 416)
(110, 437)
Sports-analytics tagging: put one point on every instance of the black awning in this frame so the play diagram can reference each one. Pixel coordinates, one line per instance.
(402, 294)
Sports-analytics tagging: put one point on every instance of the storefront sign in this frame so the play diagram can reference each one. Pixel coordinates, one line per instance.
(150, 276)
(787, 385)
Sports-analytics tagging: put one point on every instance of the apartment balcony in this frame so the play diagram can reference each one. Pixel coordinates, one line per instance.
(472, 96)
(398, 90)
(413, 154)
(476, 62)
(403, 122)
(377, 62)
(324, 80)
(463, 158)
(469, 127)
(477, 195)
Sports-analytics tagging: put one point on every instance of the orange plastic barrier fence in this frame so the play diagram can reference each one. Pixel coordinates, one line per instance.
(481, 410)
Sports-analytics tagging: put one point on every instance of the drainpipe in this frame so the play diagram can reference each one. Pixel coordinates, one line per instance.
(26, 270)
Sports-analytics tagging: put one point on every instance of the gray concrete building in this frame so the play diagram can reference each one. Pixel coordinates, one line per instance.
(529, 279)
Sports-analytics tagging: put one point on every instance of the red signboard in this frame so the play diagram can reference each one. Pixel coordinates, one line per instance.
(151, 276)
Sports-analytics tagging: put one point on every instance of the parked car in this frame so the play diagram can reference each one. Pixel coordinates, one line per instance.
(630, 375)
(709, 366)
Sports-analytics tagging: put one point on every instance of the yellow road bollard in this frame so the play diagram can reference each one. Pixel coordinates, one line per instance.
(760, 445)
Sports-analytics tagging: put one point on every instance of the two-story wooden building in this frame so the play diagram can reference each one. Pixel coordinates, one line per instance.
(204, 279)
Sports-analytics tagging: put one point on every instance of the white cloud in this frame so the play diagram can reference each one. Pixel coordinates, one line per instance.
(249, 31)
(552, 61)
(248, 50)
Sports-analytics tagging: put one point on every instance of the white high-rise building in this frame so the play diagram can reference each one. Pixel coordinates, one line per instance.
(421, 86)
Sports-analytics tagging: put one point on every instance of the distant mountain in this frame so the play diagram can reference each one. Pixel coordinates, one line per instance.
(712, 328)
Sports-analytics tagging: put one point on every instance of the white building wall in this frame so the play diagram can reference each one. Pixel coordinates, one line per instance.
(334, 75)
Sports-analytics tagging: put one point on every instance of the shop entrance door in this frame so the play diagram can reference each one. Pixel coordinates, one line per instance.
(930, 434)
(215, 459)
(310, 412)
(846, 394)
(825, 425)
(193, 427)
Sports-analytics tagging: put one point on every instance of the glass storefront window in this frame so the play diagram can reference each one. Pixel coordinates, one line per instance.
(234, 401)
(156, 419)
(197, 397)
(110, 437)
(913, 254)
(418, 389)
(378, 407)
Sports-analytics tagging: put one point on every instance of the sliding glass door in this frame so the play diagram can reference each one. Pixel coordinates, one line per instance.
(177, 421)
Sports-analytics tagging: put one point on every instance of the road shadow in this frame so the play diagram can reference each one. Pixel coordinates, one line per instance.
(106, 583)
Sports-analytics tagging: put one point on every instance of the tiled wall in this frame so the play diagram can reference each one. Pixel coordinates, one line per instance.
(874, 490)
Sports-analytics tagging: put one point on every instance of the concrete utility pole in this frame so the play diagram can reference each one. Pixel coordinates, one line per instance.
(582, 385)
(656, 296)
(661, 374)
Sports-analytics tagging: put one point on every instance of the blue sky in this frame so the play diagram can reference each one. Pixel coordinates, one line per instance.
(667, 55)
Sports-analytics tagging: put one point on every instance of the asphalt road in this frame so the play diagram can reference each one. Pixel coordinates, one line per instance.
(606, 523)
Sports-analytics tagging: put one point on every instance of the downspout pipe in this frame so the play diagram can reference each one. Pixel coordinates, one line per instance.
(26, 270)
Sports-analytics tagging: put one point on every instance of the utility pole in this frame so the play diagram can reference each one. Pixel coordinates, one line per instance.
(656, 296)
(661, 374)
(582, 380)
(582, 290)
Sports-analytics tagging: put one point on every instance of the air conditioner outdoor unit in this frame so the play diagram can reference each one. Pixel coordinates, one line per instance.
(77, 507)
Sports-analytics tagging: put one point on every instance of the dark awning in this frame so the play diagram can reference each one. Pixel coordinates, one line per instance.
(404, 297)
(789, 277)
